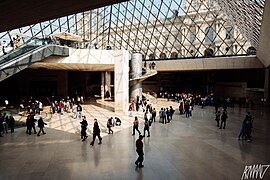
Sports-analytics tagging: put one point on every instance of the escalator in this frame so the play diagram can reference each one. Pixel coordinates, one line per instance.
(148, 73)
(26, 55)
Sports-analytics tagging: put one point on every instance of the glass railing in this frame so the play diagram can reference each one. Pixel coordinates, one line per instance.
(30, 45)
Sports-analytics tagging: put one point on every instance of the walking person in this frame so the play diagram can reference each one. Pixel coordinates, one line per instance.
(41, 124)
(136, 126)
(223, 120)
(218, 117)
(84, 125)
(146, 128)
(139, 150)
(96, 132)
(32, 122)
(109, 125)
(244, 130)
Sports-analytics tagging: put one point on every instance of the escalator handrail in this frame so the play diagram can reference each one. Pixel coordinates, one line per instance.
(16, 59)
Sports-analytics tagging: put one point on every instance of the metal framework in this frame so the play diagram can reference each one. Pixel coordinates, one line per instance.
(161, 29)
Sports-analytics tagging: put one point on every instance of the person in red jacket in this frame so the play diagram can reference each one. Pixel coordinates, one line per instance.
(139, 149)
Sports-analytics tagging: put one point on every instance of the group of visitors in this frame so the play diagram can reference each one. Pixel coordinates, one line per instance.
(31, 125)
(151, 65)
(96, 131)
(6, 122)
(246, 128)
(221, 117)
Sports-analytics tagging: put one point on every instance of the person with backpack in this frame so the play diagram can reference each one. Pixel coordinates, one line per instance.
(109, 125)
(146, 128)
(136, 126)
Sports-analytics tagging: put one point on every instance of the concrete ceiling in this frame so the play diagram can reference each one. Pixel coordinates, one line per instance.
(16, 13)
(72, 67)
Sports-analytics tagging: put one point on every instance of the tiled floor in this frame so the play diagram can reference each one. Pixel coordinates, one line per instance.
(191, 148)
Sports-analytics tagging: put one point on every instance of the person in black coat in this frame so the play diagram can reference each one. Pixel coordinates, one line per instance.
(28, 125)
(41, 124)
(84, 125)
(139, 150)
(109, 125)
(96, 132)
(11, 123)
(32, 122)
(223, 120)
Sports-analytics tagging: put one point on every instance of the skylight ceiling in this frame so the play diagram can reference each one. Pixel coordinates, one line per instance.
(162, 29)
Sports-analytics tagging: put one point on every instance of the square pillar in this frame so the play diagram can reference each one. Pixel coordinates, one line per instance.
(121, 80)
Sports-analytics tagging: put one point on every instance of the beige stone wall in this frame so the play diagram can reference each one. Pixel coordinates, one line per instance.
(249, 62)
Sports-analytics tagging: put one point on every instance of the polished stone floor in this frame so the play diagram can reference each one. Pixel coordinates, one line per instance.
(192, 148)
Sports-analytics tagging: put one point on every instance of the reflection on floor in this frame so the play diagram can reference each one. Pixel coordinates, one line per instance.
(192, 148)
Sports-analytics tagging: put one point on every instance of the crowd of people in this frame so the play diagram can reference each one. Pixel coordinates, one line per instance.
(7, 121)
(165, 115)
(13, 43)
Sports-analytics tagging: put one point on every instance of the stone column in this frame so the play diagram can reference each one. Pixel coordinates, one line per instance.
(266, 84)
(121, 80)
(102, 86)
(135, 74)
(108, 82)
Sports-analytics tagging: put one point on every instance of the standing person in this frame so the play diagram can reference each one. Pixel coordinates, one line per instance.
(154, 114)
(28, 125)
(5, 123)
(12, 43)
(4, 45)
(171, 112)
(1, 125)
(223, 120)
(163, 115)
(139, 150)
(168, 114)
(11, 124)
(96, 132)
(186, 106)
(146, 128)
(84, 125)
(109, 125)
(79, 110)
(18, 41)
(41, 124)
(6, 103)
(136, 126)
